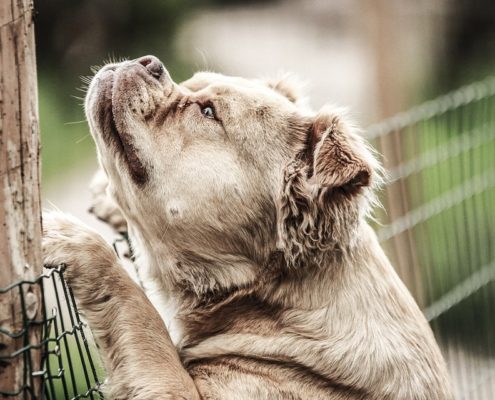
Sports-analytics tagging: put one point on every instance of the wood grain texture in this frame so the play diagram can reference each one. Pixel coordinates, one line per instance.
(20, 222)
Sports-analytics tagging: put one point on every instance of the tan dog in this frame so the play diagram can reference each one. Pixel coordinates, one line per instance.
(247, 216)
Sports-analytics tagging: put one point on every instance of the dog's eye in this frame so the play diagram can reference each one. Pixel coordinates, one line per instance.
(208, 112)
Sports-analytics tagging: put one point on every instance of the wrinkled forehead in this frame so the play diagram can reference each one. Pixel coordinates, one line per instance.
(226, 85)
(201, 80)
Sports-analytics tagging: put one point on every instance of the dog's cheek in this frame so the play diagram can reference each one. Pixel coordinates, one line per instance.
(295, 215)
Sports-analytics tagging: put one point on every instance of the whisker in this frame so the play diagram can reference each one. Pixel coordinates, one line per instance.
(95, 68)
(74, 122)
(82, 138)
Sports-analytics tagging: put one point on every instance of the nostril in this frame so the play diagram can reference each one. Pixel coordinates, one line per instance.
(156, 69)
(153, 65)
(145, 61)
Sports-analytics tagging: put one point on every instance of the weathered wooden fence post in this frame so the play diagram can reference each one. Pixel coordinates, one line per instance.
(20, 223)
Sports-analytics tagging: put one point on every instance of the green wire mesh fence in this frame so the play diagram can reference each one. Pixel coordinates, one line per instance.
(67, 369)
(438, 227)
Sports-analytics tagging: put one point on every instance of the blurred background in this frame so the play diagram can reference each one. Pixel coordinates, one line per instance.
(376, 57)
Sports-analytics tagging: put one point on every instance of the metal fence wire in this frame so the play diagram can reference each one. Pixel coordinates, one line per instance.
(436, 226)
(67, 368)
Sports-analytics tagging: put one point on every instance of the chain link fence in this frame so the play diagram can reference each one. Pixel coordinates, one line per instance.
(438, 227)
(67, 369)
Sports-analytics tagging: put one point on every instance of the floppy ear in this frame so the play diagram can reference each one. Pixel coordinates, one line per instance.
(325, 191)
(338, 157)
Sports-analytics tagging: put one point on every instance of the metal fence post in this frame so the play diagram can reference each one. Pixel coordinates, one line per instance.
(20, 222)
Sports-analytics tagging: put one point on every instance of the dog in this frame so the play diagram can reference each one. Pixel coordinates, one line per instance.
(247, 214)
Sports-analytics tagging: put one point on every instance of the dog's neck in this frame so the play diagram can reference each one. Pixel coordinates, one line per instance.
(260, 290)
(187, 273)
(193, 280)
(279, 293)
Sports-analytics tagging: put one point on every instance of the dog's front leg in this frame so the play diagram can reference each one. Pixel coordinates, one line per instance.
(140, 359)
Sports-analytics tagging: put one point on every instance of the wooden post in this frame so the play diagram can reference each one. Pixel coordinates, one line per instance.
(20, 222)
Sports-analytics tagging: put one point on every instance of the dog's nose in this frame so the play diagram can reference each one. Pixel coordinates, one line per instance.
(153, 65)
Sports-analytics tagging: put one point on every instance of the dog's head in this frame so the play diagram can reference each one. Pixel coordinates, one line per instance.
(223, 168)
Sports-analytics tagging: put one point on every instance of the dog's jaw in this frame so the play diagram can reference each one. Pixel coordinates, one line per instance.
(120, 101)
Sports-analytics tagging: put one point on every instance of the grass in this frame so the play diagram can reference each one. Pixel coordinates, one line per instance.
(82, 380)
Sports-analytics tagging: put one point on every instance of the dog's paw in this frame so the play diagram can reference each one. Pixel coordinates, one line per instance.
(103, 206)
(66, 240)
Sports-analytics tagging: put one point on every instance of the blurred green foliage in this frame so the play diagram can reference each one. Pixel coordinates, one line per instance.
(458, 241)
(64, 133)
(450, 204)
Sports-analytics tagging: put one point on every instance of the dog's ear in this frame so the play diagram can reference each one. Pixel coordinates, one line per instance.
(337, 157)
(287, 85)
(326, 190)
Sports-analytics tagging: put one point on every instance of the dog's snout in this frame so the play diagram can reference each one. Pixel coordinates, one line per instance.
(153, 65)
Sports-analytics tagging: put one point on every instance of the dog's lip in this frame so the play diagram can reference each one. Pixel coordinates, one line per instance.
(107, 104)
(108, 125)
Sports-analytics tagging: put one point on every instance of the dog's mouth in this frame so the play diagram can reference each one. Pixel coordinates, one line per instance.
(110, 121)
